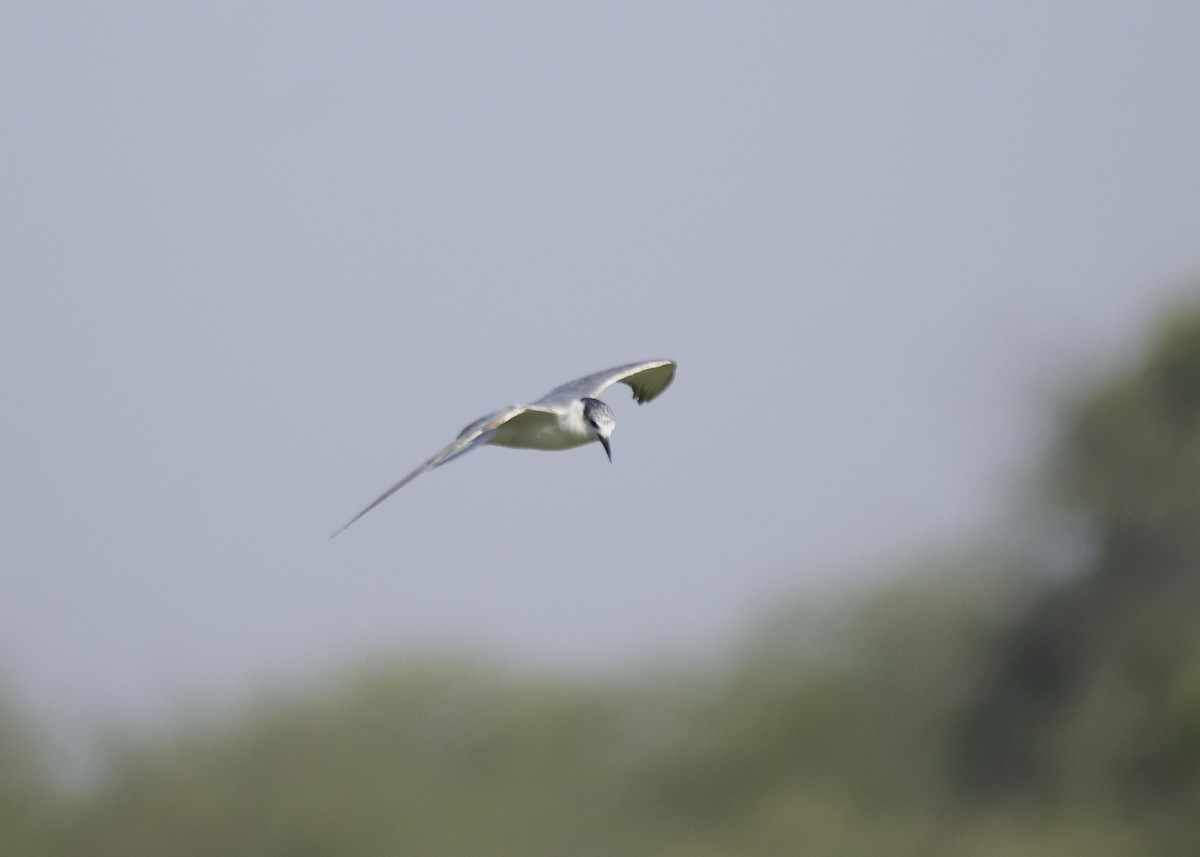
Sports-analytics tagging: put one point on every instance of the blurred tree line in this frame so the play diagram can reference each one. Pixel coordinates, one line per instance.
(979, 705)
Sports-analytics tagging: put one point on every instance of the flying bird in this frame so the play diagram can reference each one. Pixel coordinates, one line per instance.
(566, 417)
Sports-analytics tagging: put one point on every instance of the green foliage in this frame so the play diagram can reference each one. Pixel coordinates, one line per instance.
(28, 803)
(972, 707)
(1095, 699)
(1132, 459)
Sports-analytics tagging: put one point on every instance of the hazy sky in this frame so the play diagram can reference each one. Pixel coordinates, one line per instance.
(260, 259)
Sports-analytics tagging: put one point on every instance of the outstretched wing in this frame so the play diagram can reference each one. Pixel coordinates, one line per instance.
(476, 434)
(646, 380)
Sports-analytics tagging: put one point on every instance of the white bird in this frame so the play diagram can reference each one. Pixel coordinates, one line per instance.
(566, 417)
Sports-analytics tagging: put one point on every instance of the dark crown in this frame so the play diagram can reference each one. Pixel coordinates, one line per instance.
(596, 411)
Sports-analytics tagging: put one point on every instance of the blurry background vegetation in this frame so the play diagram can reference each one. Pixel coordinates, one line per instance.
(987, 702)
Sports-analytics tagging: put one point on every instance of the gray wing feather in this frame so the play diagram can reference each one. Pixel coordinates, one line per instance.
(476, 434)
(646, 379)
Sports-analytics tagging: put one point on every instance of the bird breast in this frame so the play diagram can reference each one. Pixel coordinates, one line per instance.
(555, 431)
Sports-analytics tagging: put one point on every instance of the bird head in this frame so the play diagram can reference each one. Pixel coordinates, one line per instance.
(600, 422)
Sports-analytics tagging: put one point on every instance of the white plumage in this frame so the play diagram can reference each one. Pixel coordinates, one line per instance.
(566, 417)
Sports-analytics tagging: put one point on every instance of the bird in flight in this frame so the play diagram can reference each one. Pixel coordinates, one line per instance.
(566, 417)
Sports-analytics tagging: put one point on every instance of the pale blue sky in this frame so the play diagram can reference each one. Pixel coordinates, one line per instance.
(260, 259)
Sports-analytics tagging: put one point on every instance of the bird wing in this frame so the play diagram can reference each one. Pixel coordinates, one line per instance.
(646, 379)
(476, 434)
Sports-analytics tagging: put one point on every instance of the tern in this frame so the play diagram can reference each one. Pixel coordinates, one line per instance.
(566, 417)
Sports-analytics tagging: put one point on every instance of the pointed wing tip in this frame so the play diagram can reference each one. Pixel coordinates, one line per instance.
(643, 395)
(344, 527)
(451, 452)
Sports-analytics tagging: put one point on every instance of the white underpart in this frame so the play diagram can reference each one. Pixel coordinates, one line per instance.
(555, 421)
(566, 429)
